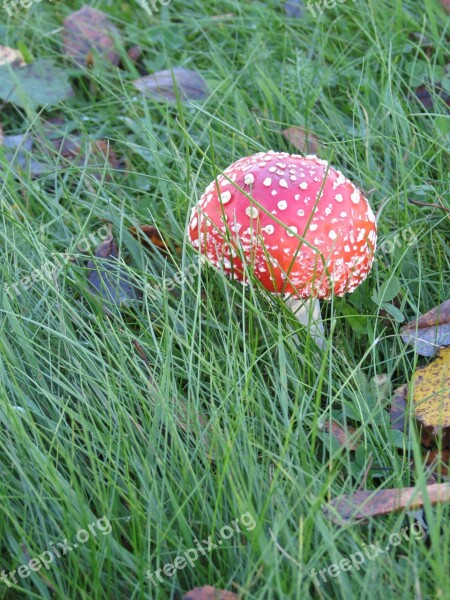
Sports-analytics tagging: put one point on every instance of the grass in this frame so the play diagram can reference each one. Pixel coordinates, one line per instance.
(224, 413)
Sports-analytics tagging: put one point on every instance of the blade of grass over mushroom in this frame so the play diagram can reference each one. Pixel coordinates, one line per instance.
(87, 32)
(366, 504)
(430, 331)
(41, 83)
(108, 278)
(162, 85)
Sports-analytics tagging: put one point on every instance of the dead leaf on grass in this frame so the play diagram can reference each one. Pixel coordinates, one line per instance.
(365, 504)
(303, 140)
(10, 56)
(397, 411)
(345, 437)
(208, 592)
(190, 85)
(294, 8)
(87, 32)
(430, 331)
(149, 236)
(432, 396)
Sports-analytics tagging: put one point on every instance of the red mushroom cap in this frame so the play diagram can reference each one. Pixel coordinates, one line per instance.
(300, 225)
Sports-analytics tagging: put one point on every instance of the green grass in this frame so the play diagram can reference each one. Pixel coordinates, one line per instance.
(226, 415)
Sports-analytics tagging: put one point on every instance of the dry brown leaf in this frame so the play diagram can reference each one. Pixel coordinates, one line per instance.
(149, 236)
(208, 592)
(439, 461)
(10, 56)
(365, 504)
(343, 436)
(432, 396)
(430, 331)
(88, 31)
(302, 139)
(190, 85)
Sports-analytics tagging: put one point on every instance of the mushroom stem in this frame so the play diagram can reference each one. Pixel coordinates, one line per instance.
(307, 312)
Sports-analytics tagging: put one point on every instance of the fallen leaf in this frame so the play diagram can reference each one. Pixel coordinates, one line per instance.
(81, 152)
(87, 32)
(150, 236)
(294, 8)
(108, 278)
(190, 85)
(9, 56)
(38, 84)
(425, 96)
(209, 593)
(18, 155)
(446, 5)
(432, 396)
(302, 139)
(438, 461)
(343, 436)
(397, 411)
(365, 504)
(430, 331)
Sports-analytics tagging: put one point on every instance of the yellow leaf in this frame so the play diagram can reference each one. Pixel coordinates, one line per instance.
(432, 393)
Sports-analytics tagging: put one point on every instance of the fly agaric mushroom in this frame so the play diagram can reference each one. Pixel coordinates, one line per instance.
(300, 226)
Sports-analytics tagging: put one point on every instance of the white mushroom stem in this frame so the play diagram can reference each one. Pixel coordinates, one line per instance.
(307, 312)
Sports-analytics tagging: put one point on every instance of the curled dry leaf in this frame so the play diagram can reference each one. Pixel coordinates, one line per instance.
(190, 85)
(432, 396)
(88, 32)
(208, 592)
(31, 86)
(365, 504)
(302, 139)
(430, 331)
(9, 56)
(149, 236)
(345, 437)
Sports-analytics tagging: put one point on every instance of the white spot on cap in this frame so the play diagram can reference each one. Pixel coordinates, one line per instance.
(301, 213)
(332, 235)
(269, 229)
(303, 185)
(274, 192)
(339, 198)
(327, 211)
(291, 231)
(194, 223)
(347, 248)
(249, 178)
(356, 196)
(225, 197)
(362, 233)
(283, 183)
(339, 181)
(282, 204)
(293, 178)
(267, 182)
(252, 211)
(343, 214)
(272, 169)
(313, 227)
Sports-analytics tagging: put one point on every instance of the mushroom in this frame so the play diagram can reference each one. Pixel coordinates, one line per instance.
(300, 226)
